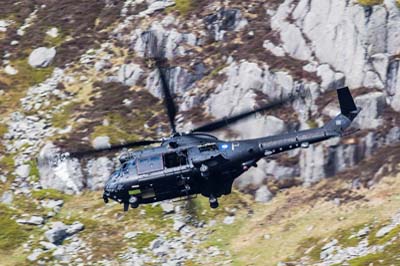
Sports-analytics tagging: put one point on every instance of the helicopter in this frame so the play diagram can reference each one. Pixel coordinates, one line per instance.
(186, 164)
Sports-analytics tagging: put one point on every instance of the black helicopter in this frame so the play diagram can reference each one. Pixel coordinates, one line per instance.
(187, 164)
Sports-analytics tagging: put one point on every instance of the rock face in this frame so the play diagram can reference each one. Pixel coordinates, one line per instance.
(42, 57)
(65, 176)
(129, 74)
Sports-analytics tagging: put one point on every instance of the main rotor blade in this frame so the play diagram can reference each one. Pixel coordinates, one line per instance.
(168, 100)
(226, 121)
(79, 154)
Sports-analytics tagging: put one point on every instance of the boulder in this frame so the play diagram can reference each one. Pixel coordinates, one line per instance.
(167, 207)
(75, 228)
(263, 194)
(7, 197)
(42, 57)
(53, 32)
(101, 142)
(23, 170)
(34, 220)
(10, 70)
(156, 6)
(229, 220)
(57, 233)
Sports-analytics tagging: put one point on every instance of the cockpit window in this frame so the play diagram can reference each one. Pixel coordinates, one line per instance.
(149, 164)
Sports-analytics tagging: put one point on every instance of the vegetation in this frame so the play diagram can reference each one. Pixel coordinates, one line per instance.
(7, 162)
(183, 6)
(49, 194)
(3, 130)
(34, 170)
(61, 118)
(11, 234)
(370, 2)
(144, 239)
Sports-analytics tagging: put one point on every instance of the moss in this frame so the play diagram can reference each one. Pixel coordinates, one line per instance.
(11, 234)
(313, 245)
(3, 130)
(34, 171)
(49, 194)
(7, 163)
(61, 118)
(56, 41)
(370, 2)
(312, 124)
(183, 6)
(144, 239)
(216, 70)
(398, 3)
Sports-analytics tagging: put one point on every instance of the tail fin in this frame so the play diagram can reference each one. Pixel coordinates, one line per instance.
(347, 105)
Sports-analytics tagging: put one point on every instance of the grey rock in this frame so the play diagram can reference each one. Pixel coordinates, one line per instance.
(178, 225)
(156, 6)
(47, 245)
(131, 235)
(3, 178)
(42, 57)
(363, 232)
(35, 254)
(101, 142)
(51, 204)
(34, 220)
(7, 197)
(263, 194)
(224, 20)
(156, 243)
(229, 220)
(99, 170)
(384, 230)
(66, 176)
(75, 228)
(10, 70)
(372, 105)
(23, 170)
(167, 207)
(129, 74)
(57, 234)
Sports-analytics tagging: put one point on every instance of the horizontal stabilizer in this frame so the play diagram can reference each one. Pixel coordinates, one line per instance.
(346, 101)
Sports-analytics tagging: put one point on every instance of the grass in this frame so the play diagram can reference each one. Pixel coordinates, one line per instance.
(370, 2)
(61, 118)
(183, 6)
(11, 234)
(144, 239)
(3, 130)
(16, 86)
(373, 240)
(7, 163)
(34, 170)
(49, 194)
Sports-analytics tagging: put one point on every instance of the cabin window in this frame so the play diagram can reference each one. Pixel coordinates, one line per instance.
(149, 164)
(175, 159)
(208, 147)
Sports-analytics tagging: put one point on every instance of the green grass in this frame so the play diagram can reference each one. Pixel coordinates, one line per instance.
(61, 118)
(49, 194)
(11, 234)
(312, 124)
(3, 130)
(183, 6)
(34, 171)
(7, 163)
(144, 239)
(373, 240)
(370, 2)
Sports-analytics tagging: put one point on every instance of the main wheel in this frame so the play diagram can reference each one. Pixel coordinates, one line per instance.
(214, 203)
(134, 201)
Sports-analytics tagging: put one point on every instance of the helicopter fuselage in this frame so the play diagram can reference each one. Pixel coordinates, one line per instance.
(196, 163)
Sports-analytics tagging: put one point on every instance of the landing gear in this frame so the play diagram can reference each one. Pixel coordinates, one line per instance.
(105, 198)
(213, 202)
(126, 206)
(134, 202)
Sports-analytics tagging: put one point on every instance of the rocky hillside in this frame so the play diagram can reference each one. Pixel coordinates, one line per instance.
(73, 75)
